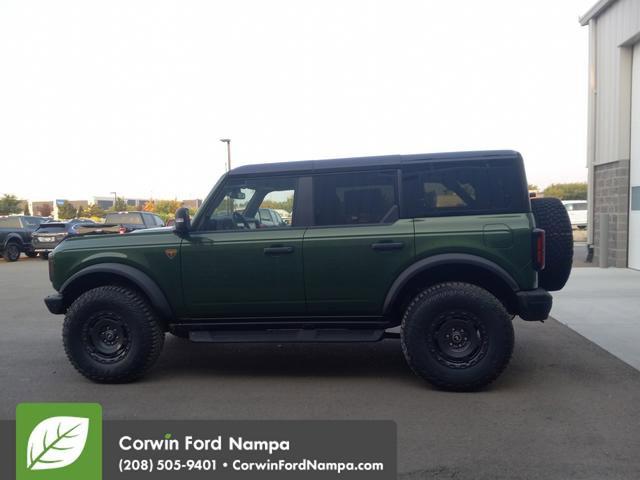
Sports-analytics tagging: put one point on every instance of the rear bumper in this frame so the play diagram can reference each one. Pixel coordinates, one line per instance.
(534, 305)
(55, 304)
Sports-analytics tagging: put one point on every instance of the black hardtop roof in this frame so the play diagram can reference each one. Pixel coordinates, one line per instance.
(367, 162)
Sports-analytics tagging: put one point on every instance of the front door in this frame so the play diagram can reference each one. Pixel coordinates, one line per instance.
(235, 266)
(357, 246)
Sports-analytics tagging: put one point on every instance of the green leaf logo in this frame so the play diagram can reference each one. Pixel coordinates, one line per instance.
(56, 442)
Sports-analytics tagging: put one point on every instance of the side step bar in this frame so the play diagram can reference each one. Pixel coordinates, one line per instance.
(286, 335)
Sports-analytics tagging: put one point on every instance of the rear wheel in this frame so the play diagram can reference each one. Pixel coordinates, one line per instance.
(112, 335)
(457, 336)
(11, 252)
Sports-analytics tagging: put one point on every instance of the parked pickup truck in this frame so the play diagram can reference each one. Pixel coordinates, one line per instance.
(15, 236)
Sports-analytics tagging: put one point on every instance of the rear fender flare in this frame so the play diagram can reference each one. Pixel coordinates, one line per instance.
(444, 259)
(13, 237)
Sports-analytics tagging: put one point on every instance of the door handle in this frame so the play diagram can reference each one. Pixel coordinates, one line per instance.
(384, 246)
(280, 250)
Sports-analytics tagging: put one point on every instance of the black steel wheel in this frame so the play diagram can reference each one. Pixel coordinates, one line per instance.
(458, 339)
(457, 336)
(107, 337)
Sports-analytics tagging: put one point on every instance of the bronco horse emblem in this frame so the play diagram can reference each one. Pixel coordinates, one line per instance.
(171, 253)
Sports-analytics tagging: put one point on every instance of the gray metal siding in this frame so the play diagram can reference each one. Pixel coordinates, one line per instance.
(616, 29)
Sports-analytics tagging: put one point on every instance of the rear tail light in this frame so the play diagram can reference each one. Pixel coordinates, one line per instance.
(122, 230)
(538, 249)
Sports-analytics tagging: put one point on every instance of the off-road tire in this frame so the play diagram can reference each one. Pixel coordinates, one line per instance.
(11, 252)
(551, 216)
(112, 309)
(430, 316)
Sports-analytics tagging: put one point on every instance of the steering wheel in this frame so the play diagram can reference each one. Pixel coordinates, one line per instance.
(238, 217)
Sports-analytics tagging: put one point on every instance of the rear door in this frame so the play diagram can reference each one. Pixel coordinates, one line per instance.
(358, 245)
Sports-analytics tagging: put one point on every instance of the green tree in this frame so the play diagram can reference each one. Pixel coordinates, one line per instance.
(120, 205)
(80, 213)
(93, 210)
(9, 204)
(533, 187)
(284, 205)
(567, 191)
(67, 211)
(166, 207)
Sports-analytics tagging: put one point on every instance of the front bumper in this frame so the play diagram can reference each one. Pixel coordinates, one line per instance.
(55, 304)
(534, 305)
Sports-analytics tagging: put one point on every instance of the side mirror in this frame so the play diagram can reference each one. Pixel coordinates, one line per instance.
(182, 222)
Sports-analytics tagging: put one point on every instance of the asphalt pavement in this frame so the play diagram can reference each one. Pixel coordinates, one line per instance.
(563, 409)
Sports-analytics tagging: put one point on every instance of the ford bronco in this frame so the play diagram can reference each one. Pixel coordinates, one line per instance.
(448, 247)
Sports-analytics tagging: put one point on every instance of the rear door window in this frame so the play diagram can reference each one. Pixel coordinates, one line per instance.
(353, 198)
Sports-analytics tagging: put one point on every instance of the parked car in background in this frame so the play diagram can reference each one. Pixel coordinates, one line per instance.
(286, 216)
(130, 221)
(49, 234)
(15, 236)
(268, 217)
(577, 210)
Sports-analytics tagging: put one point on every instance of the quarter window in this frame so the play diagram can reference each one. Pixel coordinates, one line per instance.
(353, 198)
(462, 188)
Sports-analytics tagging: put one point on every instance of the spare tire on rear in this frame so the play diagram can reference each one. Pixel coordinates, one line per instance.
(551, 216)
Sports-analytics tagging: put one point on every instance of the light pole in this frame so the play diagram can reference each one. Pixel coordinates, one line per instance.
(115, 199)
(228, 142)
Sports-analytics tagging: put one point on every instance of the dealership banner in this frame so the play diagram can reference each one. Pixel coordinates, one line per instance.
(52, 441)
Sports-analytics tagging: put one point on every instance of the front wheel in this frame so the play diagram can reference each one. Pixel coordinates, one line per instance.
(457, 336)
(112, 335)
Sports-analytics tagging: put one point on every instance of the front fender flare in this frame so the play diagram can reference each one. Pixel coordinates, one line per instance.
(145, 283)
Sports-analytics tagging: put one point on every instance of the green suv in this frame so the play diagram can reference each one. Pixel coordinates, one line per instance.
(447, 246)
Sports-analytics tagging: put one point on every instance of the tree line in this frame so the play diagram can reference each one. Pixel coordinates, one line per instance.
(11, 205)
